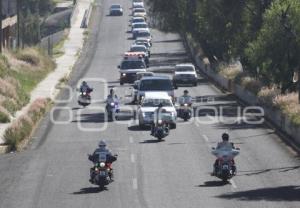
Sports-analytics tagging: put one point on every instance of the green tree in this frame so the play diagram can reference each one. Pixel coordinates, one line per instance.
(276, 49)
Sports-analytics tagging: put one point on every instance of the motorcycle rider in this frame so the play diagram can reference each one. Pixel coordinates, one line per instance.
(185, 98)
(102, 154)
(157, 115)
(84, 87)
(225, 144)
(111, 98)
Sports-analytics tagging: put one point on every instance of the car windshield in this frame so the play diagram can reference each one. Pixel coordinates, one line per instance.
(185, 69)
(156, 85)
(139, 10)
(115, 6)
(156, 102)
(143, 34)
(140, 26)
(138, 49)
(133, 65)
(138, 20)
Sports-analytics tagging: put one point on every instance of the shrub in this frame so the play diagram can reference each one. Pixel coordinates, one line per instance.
(251, 84)
(289, 105)
(29, 55)
(4, 115)
(267, 95)
(22, 128)
(229, 71)
(7, 89)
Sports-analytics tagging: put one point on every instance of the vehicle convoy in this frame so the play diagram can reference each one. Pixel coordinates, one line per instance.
(150, 103)
(185, 74)
(116, 10)
(129, 66)
(224, 167)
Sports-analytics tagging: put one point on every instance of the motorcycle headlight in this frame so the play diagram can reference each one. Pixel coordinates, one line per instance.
(84, 93)
(185, 104)
(102, 165)
(96, 169)
(123, 75)
(160, 122)
(112, 104)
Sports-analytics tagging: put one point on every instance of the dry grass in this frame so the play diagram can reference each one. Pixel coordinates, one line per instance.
(289, 105)
(22, 128)
(229, 71)
(267, 95)
(20, 72)
(251, 84)
(4, 115)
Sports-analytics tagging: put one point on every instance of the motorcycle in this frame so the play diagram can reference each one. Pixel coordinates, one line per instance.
(225, 168)
(185, 111)
(112, 110)
(161, 130)
(84, 98)
(101, 176)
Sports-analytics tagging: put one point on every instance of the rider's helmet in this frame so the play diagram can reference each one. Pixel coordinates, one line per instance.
(84, 83)
(102, 143)
(185, 92)
(225, 137)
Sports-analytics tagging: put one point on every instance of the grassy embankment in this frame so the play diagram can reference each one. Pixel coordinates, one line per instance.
(20, 72)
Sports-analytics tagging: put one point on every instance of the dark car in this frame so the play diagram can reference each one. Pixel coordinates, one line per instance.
(116, 10)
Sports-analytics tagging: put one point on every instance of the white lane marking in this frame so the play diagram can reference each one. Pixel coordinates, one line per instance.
(132, 158)
(233, 184)
(130, 140)
(206, 140)
(134, 184)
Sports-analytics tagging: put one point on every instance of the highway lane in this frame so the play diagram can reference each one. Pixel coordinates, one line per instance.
(54, 171)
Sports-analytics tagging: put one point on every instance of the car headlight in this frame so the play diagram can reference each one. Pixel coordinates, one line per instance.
(123, 75)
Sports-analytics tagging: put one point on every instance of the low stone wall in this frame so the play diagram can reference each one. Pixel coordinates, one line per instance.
(275, 116)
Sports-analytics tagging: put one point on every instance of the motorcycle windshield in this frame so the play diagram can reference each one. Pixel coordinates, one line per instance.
(225, 153)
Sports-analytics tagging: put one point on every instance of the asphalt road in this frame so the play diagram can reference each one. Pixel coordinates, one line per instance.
(54, 170)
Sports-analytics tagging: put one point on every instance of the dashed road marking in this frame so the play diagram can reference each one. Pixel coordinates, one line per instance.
(206, 140)
(134, 184)
(233, 184)
(130, 140)
(132, 158)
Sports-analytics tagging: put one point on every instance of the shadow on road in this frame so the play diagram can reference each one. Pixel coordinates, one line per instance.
(152, 141)
(91, 118)
(90, 190)
(282, 193)
(262, 171)
(137, 128)
(213, 184)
